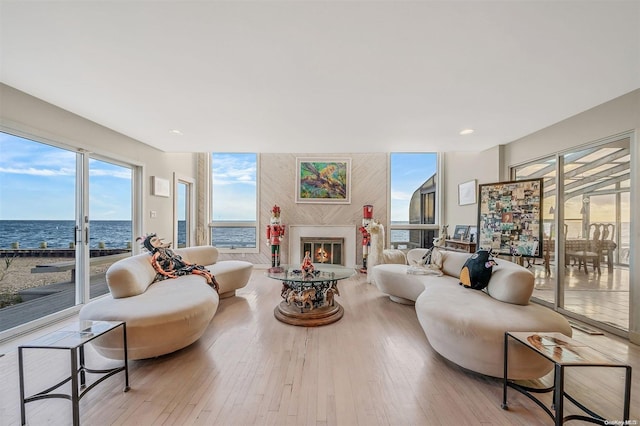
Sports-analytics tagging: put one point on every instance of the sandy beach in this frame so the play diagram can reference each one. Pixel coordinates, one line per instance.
(19, 276)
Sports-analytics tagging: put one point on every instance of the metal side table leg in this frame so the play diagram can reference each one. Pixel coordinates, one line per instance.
(506, 368)
(559, 394)
(75, 399)
(21, 374)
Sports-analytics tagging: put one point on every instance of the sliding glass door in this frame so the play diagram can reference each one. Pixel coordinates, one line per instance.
(37, 230)
(110, 227)
(53, 252)
(596, 205)
(544, 266)
(583, 269)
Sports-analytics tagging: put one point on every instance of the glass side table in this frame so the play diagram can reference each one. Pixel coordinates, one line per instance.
(73, 338)
(564, 352)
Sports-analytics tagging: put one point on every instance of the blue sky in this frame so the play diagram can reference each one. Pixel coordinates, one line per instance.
(234, 181)
(37, 182)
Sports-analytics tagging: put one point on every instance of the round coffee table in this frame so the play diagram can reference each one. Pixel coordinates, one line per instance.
(309, 299)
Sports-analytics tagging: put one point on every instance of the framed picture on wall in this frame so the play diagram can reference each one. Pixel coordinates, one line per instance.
(467, 193)
(510, 217)
(326, 181)
(160, 187)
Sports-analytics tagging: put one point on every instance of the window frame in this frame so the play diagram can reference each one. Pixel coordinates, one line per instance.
(236, 223)
(439, 198)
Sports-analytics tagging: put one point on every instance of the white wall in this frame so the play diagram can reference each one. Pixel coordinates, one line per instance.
(617, 116)
(29, 116)
(460, 167)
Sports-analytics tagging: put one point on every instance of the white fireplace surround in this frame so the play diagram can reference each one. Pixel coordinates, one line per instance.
(347, 232)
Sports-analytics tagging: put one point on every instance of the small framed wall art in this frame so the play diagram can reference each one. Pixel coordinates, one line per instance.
(160, 187)
(467, 193)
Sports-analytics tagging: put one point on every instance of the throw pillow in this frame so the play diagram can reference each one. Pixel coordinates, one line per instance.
(476, 271)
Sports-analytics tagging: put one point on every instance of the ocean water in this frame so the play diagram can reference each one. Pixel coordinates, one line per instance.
(234, 237)
(60, 233)
(113, 233)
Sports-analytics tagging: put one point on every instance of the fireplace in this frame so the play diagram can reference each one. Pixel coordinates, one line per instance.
(323, 250)
(348, 233)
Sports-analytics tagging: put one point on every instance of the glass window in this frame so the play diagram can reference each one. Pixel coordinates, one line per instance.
(234, 201)
(182, 206)
(37, 219)
(42, 266)
(544, 269)
(593, 275)
(414, 194)
(597, 215)
(110, 225)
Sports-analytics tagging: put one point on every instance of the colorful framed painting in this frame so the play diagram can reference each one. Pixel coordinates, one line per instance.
(510, 217)
(326, 181)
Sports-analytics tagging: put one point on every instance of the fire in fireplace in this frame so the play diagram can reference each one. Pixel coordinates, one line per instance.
(323, 250)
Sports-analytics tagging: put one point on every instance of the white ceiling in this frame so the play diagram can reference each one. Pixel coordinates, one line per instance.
(339, 76)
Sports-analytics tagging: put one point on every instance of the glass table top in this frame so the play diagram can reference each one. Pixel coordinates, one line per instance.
(322, 272)
(73, 335)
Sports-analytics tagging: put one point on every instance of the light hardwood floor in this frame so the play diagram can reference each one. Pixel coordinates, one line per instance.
(374, 366)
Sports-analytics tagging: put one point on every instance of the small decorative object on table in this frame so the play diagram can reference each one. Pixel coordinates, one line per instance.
(307, 267)
(461, 232)
(444, 232)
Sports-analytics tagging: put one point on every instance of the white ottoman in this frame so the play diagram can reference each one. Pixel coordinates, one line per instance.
(231, 275)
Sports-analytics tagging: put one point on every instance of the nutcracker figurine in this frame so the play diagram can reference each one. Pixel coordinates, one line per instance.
(275, 231)
(367, 217)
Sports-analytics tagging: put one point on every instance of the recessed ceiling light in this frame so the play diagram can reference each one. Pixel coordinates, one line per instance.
(466, 131)
(175, 132)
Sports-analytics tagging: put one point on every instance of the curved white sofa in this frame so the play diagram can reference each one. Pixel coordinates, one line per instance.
(164, 316)
(467, 326)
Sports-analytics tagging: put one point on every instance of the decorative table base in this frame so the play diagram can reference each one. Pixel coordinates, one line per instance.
(291, 314)
(309, 294)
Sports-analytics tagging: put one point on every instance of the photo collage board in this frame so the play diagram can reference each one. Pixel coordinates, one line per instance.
(510, 217)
